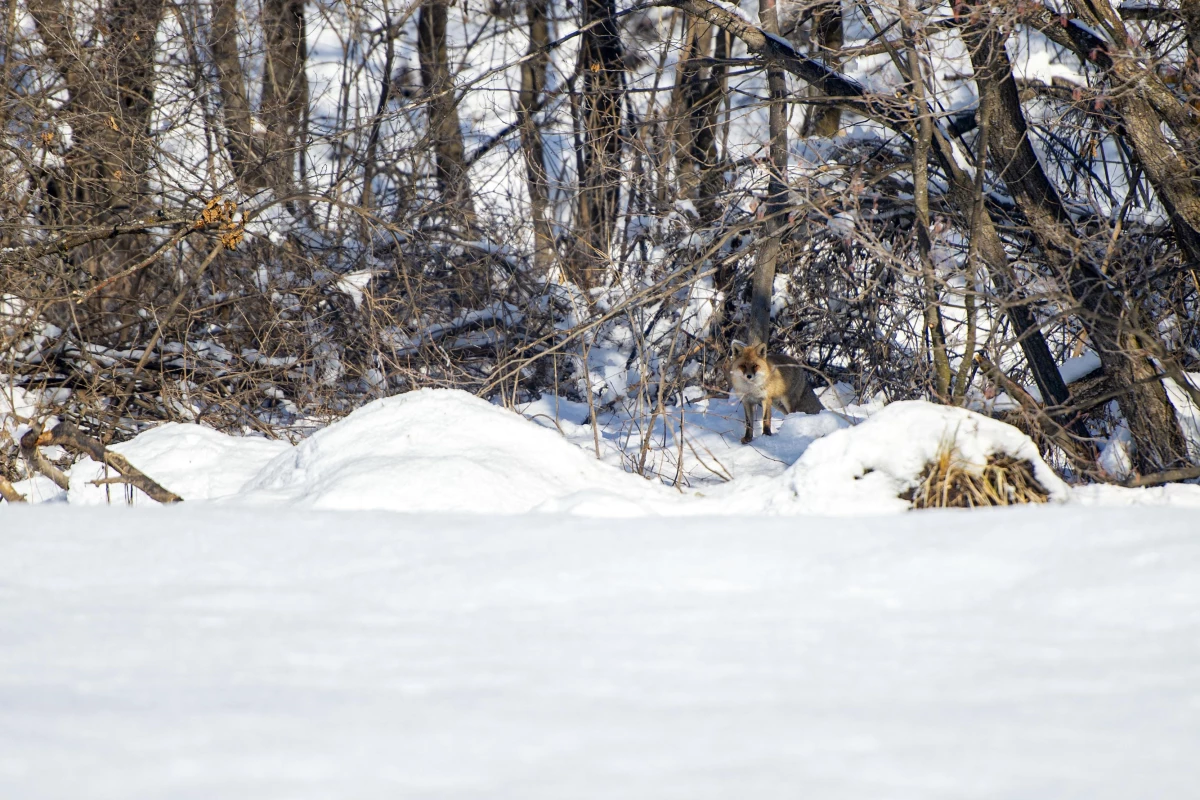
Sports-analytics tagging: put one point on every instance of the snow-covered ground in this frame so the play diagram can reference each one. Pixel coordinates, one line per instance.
(200, 652)
(435, 597)
(448, 451)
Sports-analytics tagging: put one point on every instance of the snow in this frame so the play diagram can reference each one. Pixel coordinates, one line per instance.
(735, 10)
(434, 450)
(866, 467)
(449, 451)
(438, 597)
(201, 651)
(195, 462)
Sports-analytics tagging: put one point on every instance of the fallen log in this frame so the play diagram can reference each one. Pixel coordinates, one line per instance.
(70, 437)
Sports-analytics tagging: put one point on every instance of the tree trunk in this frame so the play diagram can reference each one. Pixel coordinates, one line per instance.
(285, 88)
(1113, 324)
(104, 175)
(922, 141)
(246, 147)
(533, 84)
(767, 256)
(445, 131)
(826, 120)
(600, 116)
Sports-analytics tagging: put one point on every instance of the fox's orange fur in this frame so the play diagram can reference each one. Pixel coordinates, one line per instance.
(769, 379)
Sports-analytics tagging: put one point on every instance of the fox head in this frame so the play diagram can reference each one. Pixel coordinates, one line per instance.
(749, 363)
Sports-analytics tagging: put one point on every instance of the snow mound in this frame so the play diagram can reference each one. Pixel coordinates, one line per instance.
(446, 450)
(864, 469)
(195, 462)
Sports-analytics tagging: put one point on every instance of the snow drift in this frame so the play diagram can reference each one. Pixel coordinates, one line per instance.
(864, 469)
(446, 450)
(195, 462)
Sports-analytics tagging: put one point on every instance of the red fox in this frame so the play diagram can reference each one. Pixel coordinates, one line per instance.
(766, 379)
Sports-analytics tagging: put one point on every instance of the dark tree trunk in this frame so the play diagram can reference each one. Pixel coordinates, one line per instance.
(603, 75)
(285, 89)
(104, 176)
(1113, 323)
(826, 120)
(767, 256)
(442, 105)
(246, 147)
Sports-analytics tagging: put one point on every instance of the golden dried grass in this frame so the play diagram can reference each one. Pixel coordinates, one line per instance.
(951, 482)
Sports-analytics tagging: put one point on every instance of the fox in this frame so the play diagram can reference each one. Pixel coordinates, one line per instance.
(769, 379)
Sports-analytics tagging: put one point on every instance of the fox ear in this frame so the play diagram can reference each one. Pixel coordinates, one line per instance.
(738, 345)
(760, 349)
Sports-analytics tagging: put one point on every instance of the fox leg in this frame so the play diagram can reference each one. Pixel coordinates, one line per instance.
(748, 407)
(766, 418)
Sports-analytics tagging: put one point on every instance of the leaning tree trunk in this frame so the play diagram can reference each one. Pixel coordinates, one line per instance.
(1114, 324)
(826, 120)
(1146, 107)
(445, 132)
(599, 199)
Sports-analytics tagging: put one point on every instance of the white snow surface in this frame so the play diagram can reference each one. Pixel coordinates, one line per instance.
(328, 620)
(201, 651)
(441, 450)
(195, 462)
(865, 468)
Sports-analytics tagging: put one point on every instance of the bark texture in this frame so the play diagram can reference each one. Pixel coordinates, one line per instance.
(603, 78)
(445, 131)
(533, 85)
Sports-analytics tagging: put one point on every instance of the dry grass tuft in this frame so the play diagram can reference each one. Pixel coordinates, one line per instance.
(950, 482)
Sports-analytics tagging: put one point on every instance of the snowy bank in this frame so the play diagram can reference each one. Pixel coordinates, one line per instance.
(446, 450)
(197, 463)
(864, 469)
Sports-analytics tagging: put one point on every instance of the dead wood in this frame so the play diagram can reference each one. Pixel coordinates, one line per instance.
(70, 437)
(29, 449)
(9, 492)
(1159, 478)
(949, 482)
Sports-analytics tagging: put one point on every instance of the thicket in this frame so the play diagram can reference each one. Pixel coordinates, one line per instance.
(260, 215)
